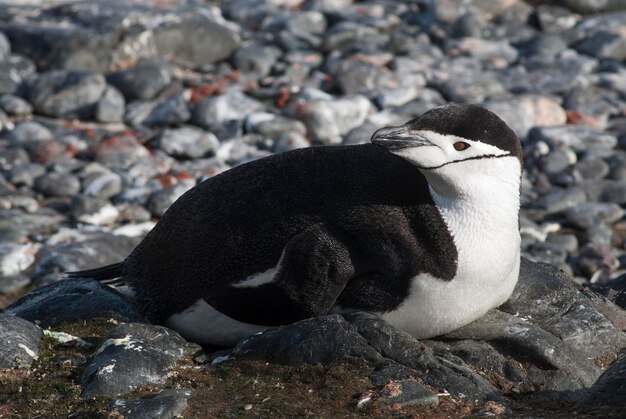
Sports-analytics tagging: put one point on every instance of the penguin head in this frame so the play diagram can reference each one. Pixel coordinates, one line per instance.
(457, 147)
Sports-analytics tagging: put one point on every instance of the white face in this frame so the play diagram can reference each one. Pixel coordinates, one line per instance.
(455, 165)
(445, 150)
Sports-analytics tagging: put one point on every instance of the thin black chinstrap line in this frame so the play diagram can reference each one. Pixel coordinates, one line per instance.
(488, 156)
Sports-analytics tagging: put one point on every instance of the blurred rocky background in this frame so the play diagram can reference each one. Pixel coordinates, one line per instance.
(110, 110)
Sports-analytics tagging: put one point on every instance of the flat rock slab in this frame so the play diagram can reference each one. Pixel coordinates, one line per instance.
(74, 300)
(19, 344)
(360, 336)
(169, 403)
(133, 355)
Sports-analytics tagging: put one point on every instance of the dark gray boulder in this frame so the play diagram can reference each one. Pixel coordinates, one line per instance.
(359, 336)
(528, 357)
(143, 81)
(133, 355)
(19, 345)
(547, 298)
(169, 403)
(73, 300)
(68, 94)
(610, 389)
(323, 339)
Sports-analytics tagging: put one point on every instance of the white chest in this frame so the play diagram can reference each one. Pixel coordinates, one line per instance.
(488, 246)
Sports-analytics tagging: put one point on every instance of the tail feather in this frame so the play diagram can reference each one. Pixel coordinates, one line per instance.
(109, 275)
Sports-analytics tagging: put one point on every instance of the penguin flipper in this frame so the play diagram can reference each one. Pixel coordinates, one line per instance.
(109, 275)
(313, 270)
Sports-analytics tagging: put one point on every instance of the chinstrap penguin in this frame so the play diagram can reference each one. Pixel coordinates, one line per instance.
(420, 228)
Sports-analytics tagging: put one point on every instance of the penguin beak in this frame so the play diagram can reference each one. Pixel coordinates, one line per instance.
(396, 138)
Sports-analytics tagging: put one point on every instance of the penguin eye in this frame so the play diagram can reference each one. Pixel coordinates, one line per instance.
(460, 146)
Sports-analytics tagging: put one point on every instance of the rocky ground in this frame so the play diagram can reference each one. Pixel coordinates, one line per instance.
(110, 111)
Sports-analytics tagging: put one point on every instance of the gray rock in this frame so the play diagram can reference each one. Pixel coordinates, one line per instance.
(612, 191)
(169, 403)
(13, 284)
(596, 260)
(91, 210)
(554, 18)
(120, 151)
(548, 299)
(547, 253)
(54, 184)
(86, 251)
(617, 165)
(334, 338)
(587, 215)
(554, 364)
(567, 242)
(467, 25)
(256, 59)
(161, 200)
(555, 162)
(110, 108)
(323, 339)
(71, 301)
(143, 81)
(594, 6)
(273, 126)
(24, 174)
(546, 75)
(356, 76)
(14, 71)
(610, 389)
(408, 90)
(16, 258)
(461, 83)
(5, 46)
(351, 36)
(15, 105)
(327, 121)
(187, 142)
(406, 393)
(308, 27)
(592, 168)
(233, 105)
(601, 36)
(138, 111)
(289, 141)
(28, 132)
(16, 225)
(491, 54)
(171, 110)
(68, 94)
(20, 342)
(188, 41)
(449, 11)
(104, 185)
(434, 369)
(557, 200)
(576, 137)
(133, 355)
(545, 45)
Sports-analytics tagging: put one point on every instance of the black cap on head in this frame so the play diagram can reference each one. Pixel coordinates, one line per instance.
(472, 122)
